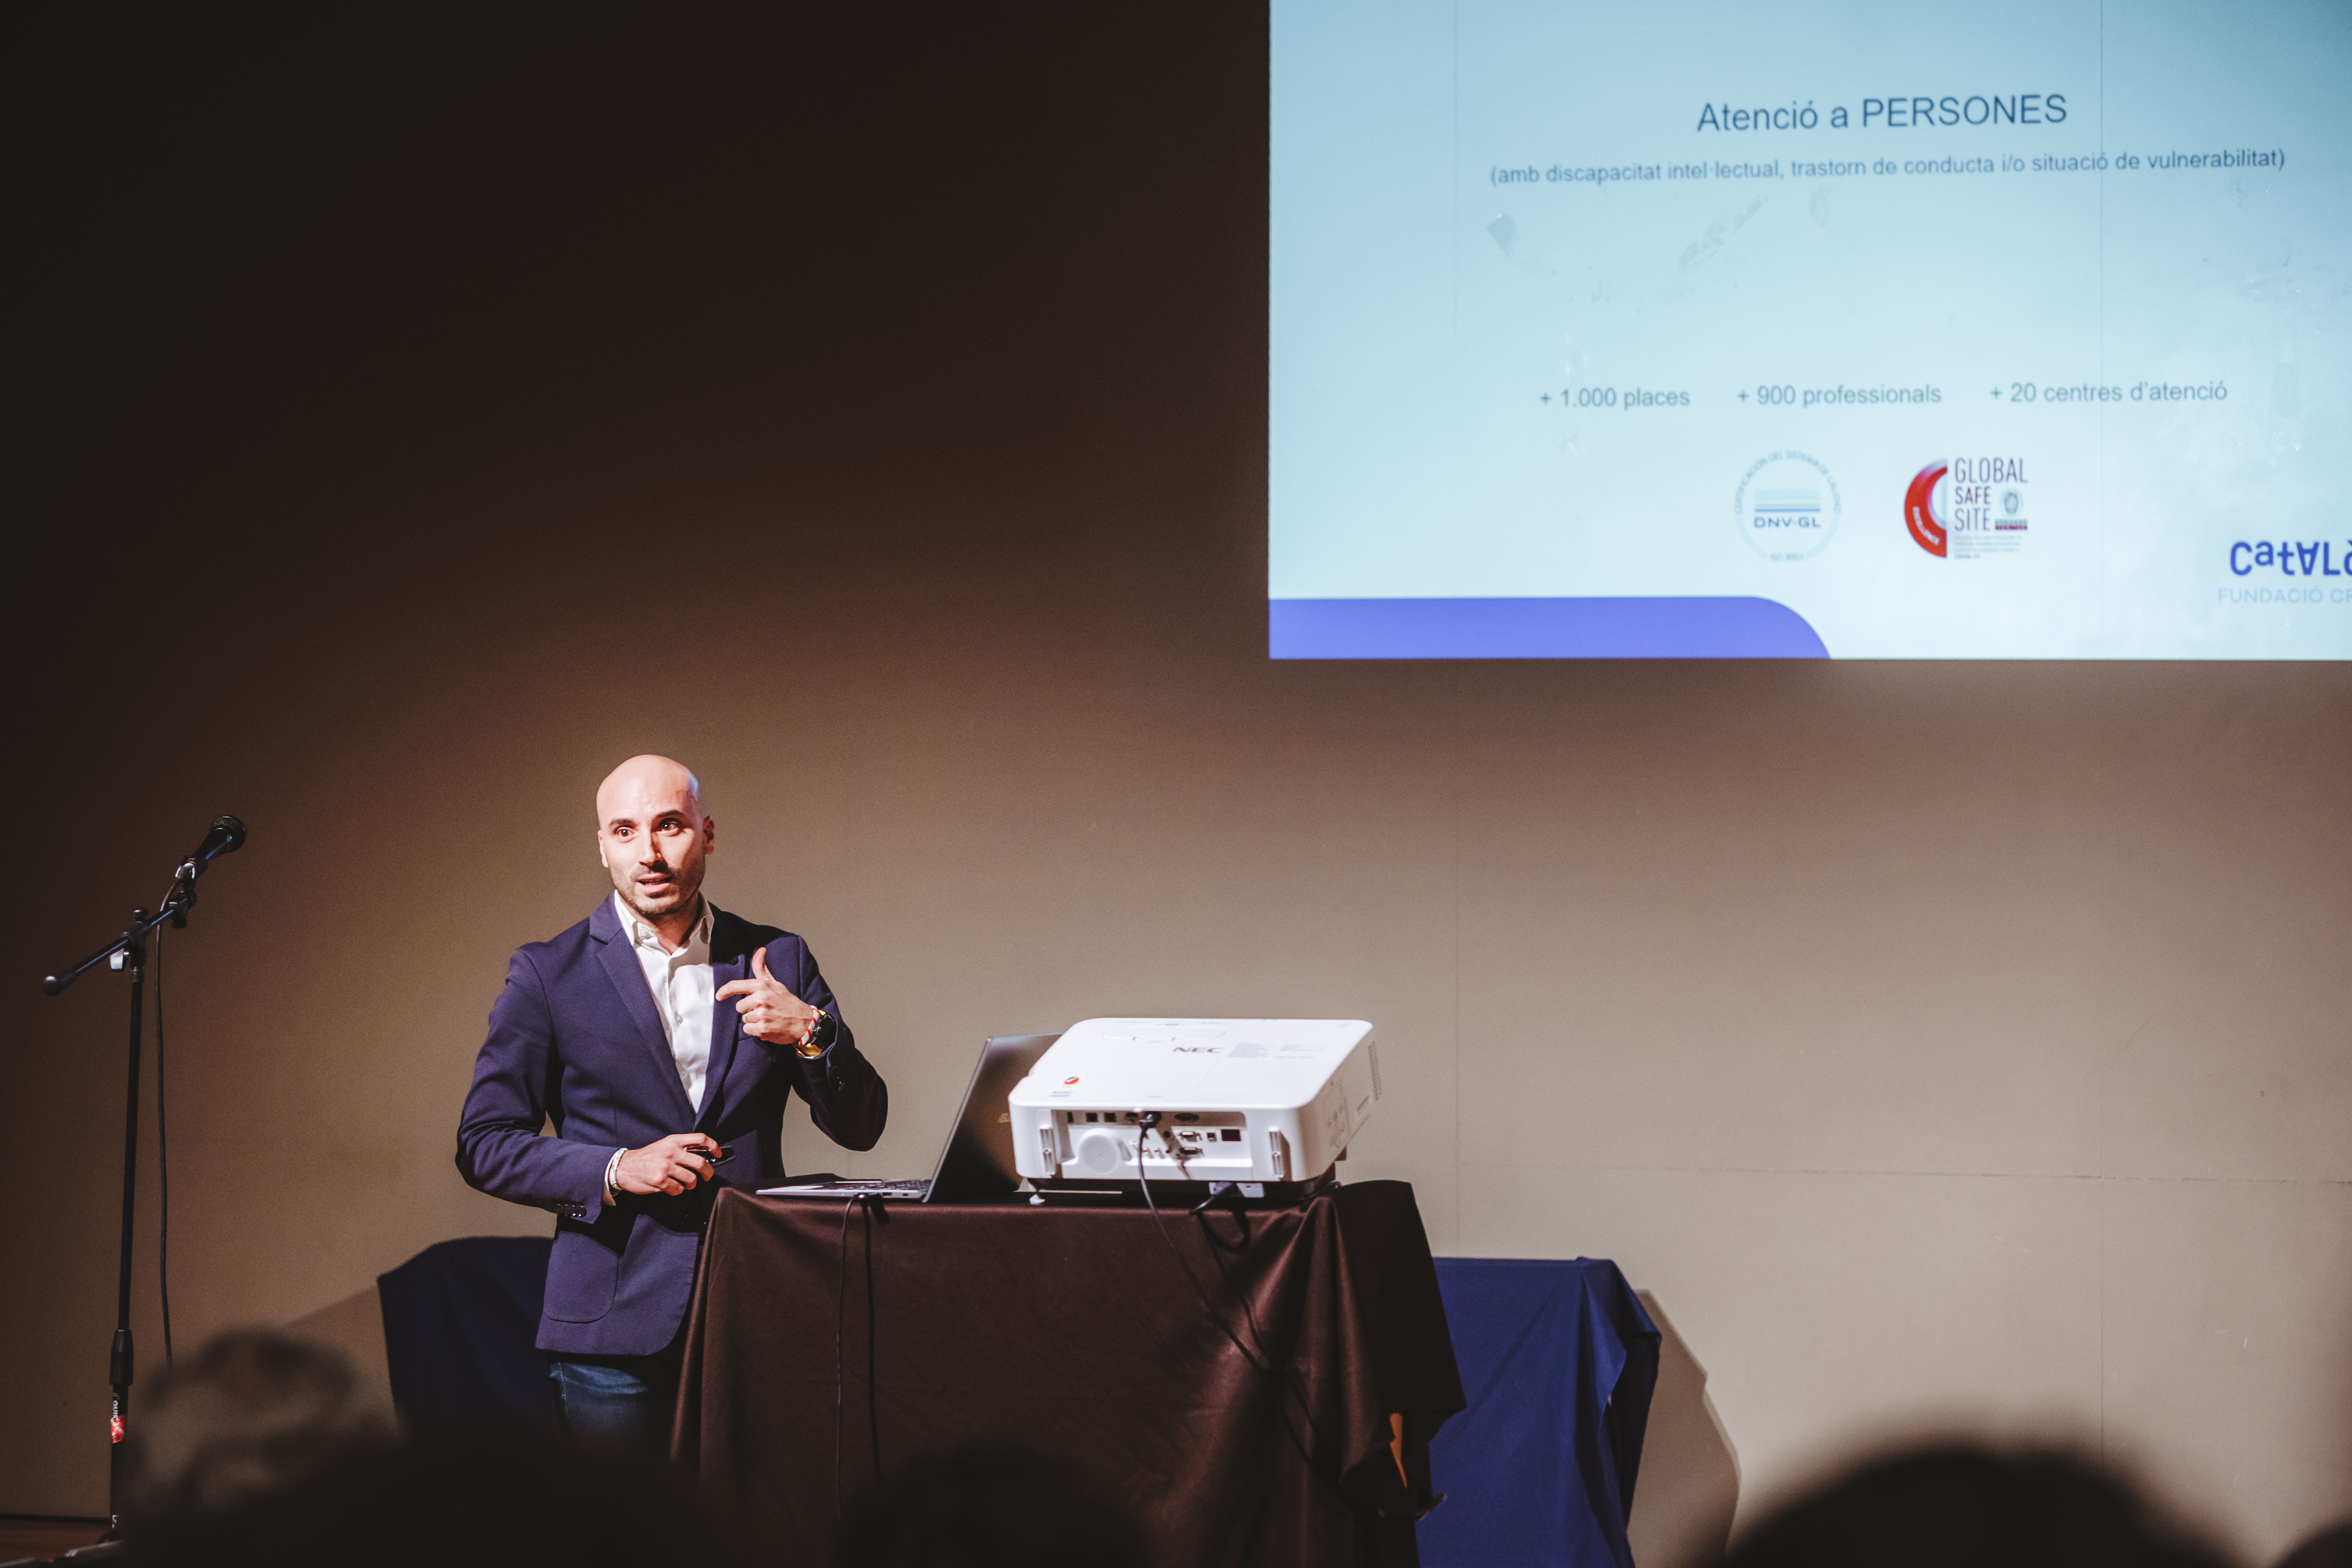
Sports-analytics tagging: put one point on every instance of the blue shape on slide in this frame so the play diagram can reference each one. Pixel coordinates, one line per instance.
(1724, 628)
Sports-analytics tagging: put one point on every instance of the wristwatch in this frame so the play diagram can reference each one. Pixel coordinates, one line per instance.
(809, 1047)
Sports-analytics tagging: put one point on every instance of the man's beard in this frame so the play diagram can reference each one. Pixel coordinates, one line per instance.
(682, 897)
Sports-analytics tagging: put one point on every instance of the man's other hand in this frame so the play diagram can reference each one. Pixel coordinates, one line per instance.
(769, 1012)
(670, 1166)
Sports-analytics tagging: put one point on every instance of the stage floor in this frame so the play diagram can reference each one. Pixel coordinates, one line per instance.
(33, 1535)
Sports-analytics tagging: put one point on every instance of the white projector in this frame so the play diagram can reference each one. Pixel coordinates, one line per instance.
(1258, 1103)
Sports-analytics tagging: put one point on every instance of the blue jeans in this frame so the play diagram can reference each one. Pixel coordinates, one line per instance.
(622, 1399)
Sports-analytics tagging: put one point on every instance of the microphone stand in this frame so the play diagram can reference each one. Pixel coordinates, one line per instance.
(128, 951)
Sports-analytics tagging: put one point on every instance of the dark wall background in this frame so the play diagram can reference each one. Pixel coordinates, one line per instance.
(410, 414)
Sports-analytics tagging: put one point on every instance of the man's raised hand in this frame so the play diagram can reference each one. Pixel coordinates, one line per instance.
(669, 1166)
(769, 1012)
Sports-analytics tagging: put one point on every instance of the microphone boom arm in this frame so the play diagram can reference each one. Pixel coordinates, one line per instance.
(227, 837)
(174, 907)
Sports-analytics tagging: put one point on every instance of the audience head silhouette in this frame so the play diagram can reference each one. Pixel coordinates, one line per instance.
(1964, 1506)
(248, 1416)
(990, 1507)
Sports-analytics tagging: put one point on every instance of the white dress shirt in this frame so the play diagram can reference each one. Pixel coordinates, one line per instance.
(682, 987)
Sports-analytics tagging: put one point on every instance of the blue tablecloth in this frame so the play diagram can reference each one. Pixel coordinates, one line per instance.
(1557, 1361)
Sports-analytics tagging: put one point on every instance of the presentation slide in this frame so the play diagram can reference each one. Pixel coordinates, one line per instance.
(1810, 330)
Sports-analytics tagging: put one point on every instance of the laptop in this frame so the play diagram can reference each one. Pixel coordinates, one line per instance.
(978, 1160)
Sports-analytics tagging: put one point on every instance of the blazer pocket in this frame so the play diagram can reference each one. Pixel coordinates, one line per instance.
(582, 1273)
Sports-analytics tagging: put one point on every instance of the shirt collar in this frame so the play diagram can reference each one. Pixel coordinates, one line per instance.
(639, 934)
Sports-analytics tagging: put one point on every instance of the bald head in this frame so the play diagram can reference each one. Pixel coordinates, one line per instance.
(647, 775)
(651, 835)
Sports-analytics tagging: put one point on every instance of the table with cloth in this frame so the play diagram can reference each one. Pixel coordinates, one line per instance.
(828, 1337)
(1059, 1327)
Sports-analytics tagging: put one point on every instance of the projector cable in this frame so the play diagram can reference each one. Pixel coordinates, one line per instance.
(840, 1356)
(1145, 1121)
(840, 1342)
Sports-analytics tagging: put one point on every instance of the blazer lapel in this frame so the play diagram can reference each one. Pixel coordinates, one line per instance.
(731, 959)
(628, 978)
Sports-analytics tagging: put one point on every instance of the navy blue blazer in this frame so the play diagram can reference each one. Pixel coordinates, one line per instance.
(574, 1041)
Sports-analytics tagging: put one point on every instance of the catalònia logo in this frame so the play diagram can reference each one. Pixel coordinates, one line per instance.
(1967, 506)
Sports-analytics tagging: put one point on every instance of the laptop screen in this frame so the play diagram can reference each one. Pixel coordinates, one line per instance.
(977, 1162)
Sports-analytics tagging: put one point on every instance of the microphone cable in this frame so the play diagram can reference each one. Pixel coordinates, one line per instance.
(162, 1163)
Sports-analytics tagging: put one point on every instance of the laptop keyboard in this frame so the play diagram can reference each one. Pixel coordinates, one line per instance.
(851, 1185)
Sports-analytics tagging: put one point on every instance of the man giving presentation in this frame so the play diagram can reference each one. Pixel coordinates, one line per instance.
(663, 1037)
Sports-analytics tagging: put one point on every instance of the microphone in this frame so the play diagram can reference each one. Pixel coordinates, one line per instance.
(227, 836)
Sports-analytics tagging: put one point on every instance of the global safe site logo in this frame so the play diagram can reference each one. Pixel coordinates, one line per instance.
(1967, 506)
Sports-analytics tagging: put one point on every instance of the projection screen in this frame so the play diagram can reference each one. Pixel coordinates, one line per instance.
(1996, 330)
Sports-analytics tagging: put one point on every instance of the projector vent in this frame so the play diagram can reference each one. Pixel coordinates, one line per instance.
(1376, 1069)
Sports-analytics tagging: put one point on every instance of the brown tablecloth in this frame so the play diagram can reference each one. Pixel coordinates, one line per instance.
(1074, 1332)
